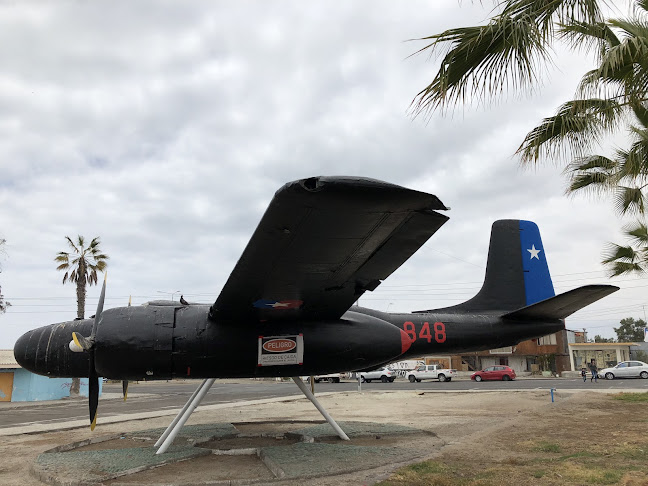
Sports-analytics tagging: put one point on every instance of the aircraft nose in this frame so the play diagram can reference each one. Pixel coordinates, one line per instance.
(25, 351)
(46, 351)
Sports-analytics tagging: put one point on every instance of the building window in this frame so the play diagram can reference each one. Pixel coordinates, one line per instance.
(547, 340)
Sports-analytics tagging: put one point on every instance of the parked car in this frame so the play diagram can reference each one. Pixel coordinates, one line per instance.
(331, 378)
(383, 374)
(430, 372)
(494, 373)
(626, 369)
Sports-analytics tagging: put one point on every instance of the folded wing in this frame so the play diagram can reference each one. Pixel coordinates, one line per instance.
(322, 243)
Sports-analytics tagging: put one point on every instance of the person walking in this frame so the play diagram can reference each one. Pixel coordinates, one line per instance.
(594, 371)
(584, 374)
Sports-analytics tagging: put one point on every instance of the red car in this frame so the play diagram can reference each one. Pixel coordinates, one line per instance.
(494, 373)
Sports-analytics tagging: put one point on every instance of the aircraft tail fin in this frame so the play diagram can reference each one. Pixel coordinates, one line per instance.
(563, 305)
(517, 274)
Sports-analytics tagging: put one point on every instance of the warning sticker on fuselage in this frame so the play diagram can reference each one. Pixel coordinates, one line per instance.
(281, 350)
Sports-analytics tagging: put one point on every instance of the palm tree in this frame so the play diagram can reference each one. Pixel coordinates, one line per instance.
(481, 62)
(81, 267)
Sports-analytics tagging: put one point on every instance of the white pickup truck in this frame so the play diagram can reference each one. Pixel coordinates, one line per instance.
(331, 378)
(430, 372)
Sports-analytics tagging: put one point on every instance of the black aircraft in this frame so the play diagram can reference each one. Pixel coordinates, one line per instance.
(288, 308)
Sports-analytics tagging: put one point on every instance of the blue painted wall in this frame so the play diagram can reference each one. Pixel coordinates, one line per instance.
(28, 387)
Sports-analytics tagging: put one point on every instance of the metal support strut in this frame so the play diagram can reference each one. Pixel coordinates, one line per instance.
(166, 439)
(298, 381)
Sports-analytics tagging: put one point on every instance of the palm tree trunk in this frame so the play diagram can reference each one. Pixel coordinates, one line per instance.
(81, 294)
(81, 291)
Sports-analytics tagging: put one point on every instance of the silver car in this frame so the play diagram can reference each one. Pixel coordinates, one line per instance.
(626, 369)
(383, 374)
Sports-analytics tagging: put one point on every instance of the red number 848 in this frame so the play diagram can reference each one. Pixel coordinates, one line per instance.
(439, 331)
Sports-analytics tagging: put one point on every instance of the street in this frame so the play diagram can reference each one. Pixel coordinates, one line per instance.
(152, 396)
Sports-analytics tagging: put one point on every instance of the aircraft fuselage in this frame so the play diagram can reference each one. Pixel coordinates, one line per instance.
(169, 341)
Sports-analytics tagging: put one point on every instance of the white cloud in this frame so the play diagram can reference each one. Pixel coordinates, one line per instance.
(165, 128)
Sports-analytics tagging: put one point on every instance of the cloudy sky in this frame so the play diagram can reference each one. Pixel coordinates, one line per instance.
(166, 127)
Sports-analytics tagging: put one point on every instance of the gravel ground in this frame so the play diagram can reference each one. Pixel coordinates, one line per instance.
(461, 423)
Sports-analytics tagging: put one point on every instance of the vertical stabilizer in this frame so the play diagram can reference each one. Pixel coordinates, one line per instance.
(517, 274)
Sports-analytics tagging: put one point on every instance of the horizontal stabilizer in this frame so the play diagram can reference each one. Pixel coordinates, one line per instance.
(563, 305)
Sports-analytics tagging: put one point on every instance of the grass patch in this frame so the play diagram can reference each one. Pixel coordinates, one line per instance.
(631, 397)
(545, 446)
(638, 452)
(577, 455)
(589, 474)
(428, 467)
(566, 449)
(423, 473)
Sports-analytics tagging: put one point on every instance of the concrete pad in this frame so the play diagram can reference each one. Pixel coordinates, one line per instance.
(317, 452)
(87, 467)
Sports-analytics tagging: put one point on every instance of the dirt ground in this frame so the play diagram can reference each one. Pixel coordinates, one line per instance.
(488, 437)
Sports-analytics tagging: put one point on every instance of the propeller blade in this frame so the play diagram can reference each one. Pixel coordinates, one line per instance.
(93, 392)
(86, 343)
(125, 388)
(100, 305)
(93, 378)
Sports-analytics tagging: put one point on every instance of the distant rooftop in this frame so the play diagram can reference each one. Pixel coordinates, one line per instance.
(601, 345)
(7, 359)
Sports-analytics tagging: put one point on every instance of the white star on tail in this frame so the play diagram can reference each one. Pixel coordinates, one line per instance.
(534, 252)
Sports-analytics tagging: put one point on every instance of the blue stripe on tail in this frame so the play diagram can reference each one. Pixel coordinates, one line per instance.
(537, 280)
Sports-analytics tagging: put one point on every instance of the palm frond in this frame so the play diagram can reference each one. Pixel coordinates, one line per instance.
(640, 112)
(594, 173)
(592, 162)
(633, 163)
(626, 63)
(638, 233)
(577, 125)
(629, 200)
(482, 61)
(588, 35)
(72, 245)
(546, 13)
(640, 6)
(620, 253)
(94, 244)
(62, 257)
(616, 269)
(593, 86)
(594, 182)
